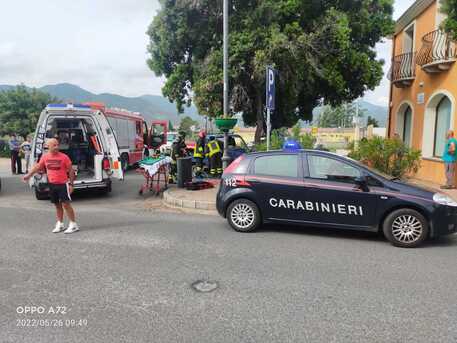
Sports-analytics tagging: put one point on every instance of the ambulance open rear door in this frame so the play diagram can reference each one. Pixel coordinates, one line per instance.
(112, 147)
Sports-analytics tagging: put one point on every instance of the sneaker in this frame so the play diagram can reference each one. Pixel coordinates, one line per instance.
(73, 227)
(58, 228)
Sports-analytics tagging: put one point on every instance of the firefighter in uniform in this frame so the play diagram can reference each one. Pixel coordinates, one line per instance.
(178, 150)
(199, 152)
(214, 150)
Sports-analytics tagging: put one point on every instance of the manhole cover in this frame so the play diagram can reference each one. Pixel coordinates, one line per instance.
(204, 286)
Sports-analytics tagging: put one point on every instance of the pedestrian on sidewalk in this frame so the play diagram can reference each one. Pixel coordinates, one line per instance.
(26, 149)
(61, 176)
(450, 158)
(15, 147)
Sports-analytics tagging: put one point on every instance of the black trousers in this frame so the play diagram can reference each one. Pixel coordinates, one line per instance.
(215, 164)
(16, 162)
(199, 163)
(173, 177)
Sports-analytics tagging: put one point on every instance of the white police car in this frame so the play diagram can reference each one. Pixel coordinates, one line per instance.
(321, 189)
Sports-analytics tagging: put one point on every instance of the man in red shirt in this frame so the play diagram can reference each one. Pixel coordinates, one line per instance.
(58, 168)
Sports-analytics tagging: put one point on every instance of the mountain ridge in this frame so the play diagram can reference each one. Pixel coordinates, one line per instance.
(154, 107)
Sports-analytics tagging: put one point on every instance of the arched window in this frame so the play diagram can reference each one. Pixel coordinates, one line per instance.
(442, 125)
(404, 123)
(407, 124)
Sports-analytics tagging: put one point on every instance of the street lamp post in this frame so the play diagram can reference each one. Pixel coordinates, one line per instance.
(357, 125)
(225, 157)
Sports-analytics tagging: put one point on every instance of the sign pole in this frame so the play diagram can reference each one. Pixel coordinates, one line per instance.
(226, 157)
(268, 128)
(270, 100)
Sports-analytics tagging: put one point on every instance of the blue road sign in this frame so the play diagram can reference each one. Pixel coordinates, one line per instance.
(271, 88)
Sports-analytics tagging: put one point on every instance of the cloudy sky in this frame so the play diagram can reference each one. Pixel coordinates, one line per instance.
(99, 45)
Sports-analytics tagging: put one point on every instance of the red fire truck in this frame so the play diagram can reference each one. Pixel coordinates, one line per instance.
(161, 138)
(131, 133)
(158, 134)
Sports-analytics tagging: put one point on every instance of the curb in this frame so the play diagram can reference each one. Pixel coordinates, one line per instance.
(172, 201)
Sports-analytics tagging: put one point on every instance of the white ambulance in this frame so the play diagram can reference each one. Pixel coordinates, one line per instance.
(85, 135)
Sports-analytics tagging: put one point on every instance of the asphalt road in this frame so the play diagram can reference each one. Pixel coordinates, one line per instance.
(127, 275)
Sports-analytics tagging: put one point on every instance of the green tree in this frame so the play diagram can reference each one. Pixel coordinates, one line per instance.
(449, 7)
(322, 50)
(372, 121)
(20, 109)
(339, 116)
(186, 125)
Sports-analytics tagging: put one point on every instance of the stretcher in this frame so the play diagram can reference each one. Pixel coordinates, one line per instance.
(155, 172)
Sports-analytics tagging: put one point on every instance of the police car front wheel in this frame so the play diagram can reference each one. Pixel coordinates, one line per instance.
(406, 228)
(243, 215)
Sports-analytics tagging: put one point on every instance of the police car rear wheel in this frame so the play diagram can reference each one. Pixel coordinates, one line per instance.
(243, 215)
(405, 228)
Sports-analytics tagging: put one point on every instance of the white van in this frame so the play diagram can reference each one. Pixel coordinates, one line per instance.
(85, 135)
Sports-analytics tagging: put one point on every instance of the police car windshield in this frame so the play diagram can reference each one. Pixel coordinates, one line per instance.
(373, 170)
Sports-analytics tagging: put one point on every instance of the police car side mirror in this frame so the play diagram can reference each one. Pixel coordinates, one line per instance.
(362, 183)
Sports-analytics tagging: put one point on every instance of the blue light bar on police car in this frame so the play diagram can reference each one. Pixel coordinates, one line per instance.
(291, 145)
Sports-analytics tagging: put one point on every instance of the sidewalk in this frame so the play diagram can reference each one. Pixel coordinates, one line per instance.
(436, 187)
(5, 167)
(202, 201)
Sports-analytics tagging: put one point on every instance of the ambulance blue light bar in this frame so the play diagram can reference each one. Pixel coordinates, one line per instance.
(69, 106)
(57, 105)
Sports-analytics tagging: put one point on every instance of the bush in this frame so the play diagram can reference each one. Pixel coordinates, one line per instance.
(390, 156)
(4, 149)
(279, 136)
(306, 140)
(276, 141)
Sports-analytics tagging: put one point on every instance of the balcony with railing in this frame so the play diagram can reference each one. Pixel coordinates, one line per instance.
(403, 70)
(438, 52)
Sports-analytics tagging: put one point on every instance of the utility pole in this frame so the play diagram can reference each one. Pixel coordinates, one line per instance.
(357, 123)
(225, 157)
